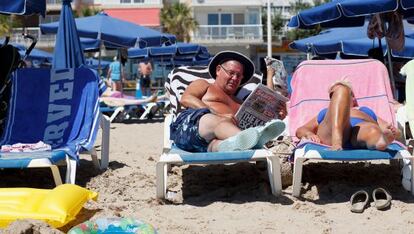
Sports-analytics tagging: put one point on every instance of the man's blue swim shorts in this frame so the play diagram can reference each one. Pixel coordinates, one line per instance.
(184, 130)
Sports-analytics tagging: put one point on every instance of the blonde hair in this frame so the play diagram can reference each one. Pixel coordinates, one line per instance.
(343, 81)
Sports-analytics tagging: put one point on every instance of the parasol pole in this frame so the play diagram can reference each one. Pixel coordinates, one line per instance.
(269, 31)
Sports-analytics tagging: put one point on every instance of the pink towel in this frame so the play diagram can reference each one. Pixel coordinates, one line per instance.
(312, 79)
(26, 147)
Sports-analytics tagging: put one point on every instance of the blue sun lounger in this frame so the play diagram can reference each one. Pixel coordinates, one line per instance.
(58, 107)
(177, 82)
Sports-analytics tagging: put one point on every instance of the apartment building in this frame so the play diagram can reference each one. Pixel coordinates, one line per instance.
(223, 24)
(237, 25)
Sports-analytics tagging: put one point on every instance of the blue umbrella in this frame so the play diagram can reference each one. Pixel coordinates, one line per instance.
(93, 45)
(350, 41)
(348, 13)
(23, 7)
(115, 31)
(68, 51)
(180, 49)
(95, 63)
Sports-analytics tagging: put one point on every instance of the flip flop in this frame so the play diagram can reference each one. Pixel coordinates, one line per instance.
(246, 139)
(382, 199)
(359, 200)
(269, 131)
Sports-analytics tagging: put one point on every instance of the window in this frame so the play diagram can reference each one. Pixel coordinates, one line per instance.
(212, 19)
(254, 17)
(132, 1)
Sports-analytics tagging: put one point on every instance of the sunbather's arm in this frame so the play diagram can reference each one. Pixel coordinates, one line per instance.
(194, 93)
(308, 131)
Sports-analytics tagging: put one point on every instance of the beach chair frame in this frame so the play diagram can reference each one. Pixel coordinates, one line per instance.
(171, 155)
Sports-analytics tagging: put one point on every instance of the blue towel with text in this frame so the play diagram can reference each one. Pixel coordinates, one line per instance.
(58, 107)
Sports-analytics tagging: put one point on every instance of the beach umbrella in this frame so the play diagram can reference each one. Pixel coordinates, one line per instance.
(94, 63)
(115, 31)
(68, 51)
(180, 49)
(350, 41)
(23, 7)
(35, 54)
(347, 13)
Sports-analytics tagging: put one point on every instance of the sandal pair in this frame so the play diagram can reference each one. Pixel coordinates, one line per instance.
(359, 200)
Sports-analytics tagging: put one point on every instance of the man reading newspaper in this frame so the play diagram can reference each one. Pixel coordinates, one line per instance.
(209, 123)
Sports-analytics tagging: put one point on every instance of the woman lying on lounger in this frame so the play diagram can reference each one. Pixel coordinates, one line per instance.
(116, 98)
(344, 124)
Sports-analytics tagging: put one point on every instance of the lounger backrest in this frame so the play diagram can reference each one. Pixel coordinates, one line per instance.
(179, 78)
(312, 79)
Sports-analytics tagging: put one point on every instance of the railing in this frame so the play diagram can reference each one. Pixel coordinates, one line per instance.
(53, 1)
(42, 40)
(249, 32)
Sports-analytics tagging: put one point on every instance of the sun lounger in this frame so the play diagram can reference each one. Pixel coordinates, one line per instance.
(177, 82)
(371, 87)
(58, 107)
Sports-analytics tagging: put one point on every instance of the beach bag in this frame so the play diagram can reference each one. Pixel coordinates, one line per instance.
(283, 148)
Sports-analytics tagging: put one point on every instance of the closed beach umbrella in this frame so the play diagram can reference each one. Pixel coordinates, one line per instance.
(68, 51)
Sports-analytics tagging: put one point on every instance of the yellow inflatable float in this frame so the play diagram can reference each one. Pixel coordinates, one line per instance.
(56, 206)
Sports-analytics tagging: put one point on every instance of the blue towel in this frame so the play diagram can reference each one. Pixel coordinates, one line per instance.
(58, 107)
(353, 154)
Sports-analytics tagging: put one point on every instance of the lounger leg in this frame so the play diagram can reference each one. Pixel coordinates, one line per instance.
(273, 169)
(105, 125)
(148, 109)
(95, 159)
(412, 176)
(161, 179)
(297, 176)
(71, 170)
(56, 175)
(116, 112)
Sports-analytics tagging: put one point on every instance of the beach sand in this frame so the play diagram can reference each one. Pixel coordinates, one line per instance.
(225, 198)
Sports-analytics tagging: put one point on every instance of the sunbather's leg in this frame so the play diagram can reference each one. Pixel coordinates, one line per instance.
(335, 128)
(369, 135)
(215, 127)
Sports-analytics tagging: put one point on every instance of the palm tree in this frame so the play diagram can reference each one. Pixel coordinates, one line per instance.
(176, 19)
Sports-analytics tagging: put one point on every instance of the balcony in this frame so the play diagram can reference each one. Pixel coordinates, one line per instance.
(43, 41)
(226, 3)
(245, 33)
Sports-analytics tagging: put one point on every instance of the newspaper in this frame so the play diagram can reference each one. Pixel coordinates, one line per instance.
(260, 107)
(280, 76)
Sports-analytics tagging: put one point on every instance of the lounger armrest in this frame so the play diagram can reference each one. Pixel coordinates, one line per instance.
(106, 126)
(167, 122)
